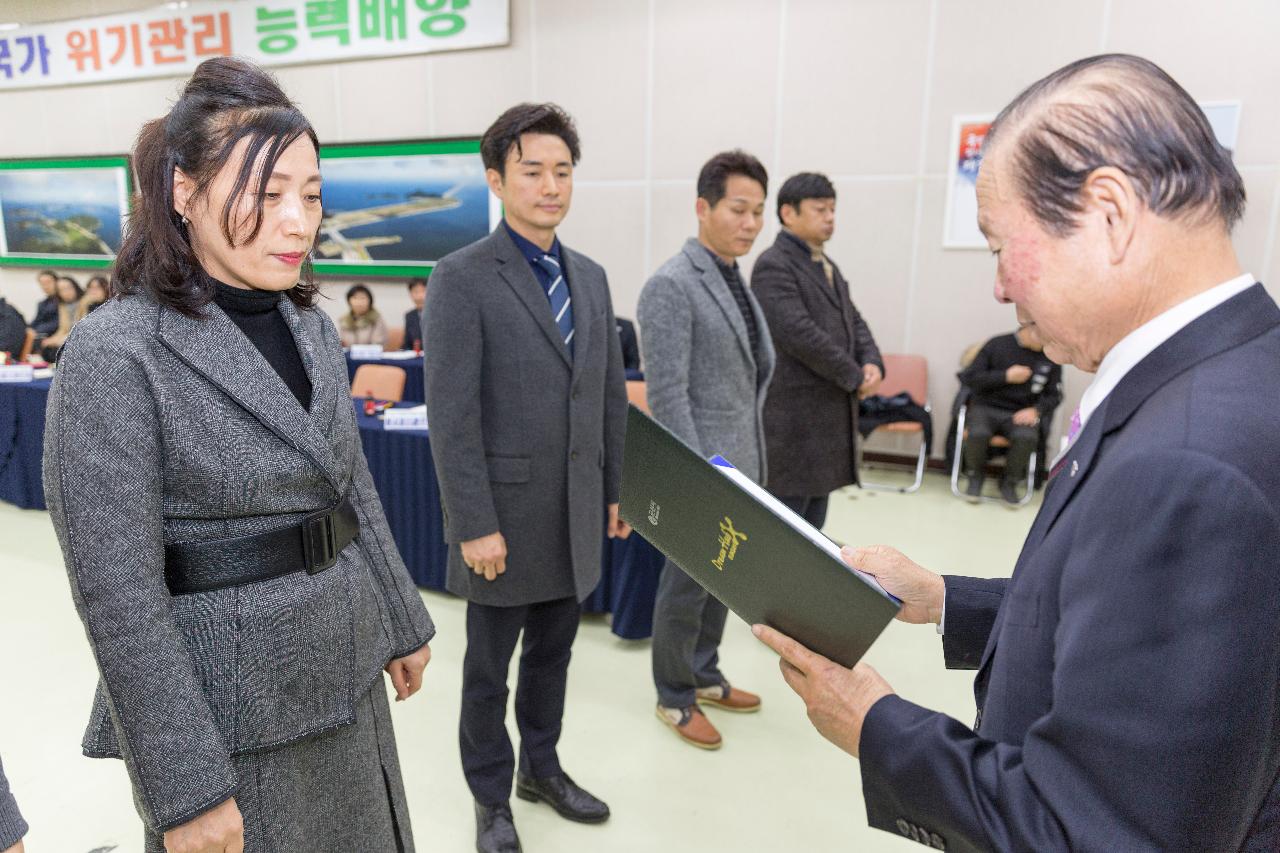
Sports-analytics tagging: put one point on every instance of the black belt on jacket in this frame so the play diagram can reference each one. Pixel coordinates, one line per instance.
(312, 545)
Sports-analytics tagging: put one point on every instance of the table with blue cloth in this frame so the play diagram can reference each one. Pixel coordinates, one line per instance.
(414, 383)
(405, 476)
(22, 442)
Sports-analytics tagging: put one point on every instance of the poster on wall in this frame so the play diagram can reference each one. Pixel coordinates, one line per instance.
(64, 213)
(171, 39)
(960, 226)
(395, 208)
(968, 133)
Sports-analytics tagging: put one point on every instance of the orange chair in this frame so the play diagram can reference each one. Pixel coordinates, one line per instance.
(381, 381)
(909, 373)
(395, 338)
(27, 345)
(637, 395)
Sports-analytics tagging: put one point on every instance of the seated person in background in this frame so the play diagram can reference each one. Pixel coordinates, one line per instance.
(413, 318)
(1013, 385)
(95, 293)
(362, 324)
(13, 329)
(630, 346)
(69, 293)
(46, 321)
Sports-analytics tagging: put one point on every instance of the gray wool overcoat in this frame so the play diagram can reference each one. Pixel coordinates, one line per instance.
(164, 429)
(527, 440)
(704, 383)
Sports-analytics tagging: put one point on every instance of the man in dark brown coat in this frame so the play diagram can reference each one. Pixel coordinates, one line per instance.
(827, 358)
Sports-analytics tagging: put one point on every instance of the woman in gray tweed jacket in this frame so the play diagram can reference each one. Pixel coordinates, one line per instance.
(12, 826)
(226, 548)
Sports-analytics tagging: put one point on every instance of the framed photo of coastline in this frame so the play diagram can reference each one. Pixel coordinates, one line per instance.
(63, 212)
(395, 208)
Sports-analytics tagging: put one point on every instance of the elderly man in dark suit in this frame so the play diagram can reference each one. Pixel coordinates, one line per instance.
(1128, 682)
(827, 357)
(12, 826)
(527, 400)
(709, 360)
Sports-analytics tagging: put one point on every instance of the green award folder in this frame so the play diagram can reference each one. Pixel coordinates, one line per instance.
(764, 562)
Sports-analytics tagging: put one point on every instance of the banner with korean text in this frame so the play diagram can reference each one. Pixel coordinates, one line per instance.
(172, 39)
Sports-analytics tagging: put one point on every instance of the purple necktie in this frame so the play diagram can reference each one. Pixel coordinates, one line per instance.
(1072, 432)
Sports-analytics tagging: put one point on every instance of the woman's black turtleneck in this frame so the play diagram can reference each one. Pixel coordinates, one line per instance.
(256, 313)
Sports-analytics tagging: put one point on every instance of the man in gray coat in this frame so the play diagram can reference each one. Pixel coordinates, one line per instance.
(527, 400)
(827, 358)
(708, 359)
(12, 826)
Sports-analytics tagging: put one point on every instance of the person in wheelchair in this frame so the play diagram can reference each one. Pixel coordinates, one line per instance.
(1013, 386)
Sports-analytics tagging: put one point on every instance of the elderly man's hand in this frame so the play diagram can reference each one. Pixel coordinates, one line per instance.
(836, 698)
(921, 591)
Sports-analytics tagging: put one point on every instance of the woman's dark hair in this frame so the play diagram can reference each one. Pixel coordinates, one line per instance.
(715, 174)
(225, 101)
(74, 283)
(99, 279)
(797, 188)
(504, 134)
(359, 288)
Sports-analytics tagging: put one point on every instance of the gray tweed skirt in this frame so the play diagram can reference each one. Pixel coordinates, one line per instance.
(336, 792)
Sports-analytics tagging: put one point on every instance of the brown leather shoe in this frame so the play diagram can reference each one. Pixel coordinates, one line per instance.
(692, 726)
(730, 699)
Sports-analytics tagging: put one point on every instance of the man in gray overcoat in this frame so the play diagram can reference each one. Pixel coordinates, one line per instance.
(827, 357)
(708, 359)
(527, 402)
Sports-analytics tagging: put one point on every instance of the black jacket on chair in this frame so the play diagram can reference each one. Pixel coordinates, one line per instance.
(811, 413)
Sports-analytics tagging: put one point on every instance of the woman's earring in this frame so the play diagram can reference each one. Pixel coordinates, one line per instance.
(184, 220)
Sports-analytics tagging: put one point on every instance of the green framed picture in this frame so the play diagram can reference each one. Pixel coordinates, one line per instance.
(395, 208)
(66, 212)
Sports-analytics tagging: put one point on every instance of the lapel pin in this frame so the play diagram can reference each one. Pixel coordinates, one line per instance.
(1075, 466)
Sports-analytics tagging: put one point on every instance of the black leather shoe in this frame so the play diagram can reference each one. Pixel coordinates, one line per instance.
(495, 830)
(974, 492)
(563, 795)
(1009, 492)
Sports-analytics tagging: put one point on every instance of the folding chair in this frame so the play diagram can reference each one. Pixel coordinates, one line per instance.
(998, 442)
(909, 373)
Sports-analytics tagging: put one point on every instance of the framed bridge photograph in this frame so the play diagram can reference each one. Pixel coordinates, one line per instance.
(395, 208)
(65, 212)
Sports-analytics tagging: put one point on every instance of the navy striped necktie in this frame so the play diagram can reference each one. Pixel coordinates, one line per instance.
(558, 296)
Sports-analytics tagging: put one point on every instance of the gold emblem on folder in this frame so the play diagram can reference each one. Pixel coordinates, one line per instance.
(730, 539)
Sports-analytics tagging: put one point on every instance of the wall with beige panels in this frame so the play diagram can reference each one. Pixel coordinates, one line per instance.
(861, 89)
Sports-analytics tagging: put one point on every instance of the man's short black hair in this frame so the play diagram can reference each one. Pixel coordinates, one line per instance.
(715, 174)
(1123, 111)
(797, 188)
(414, 282)
(44, 273)
(504, 134)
